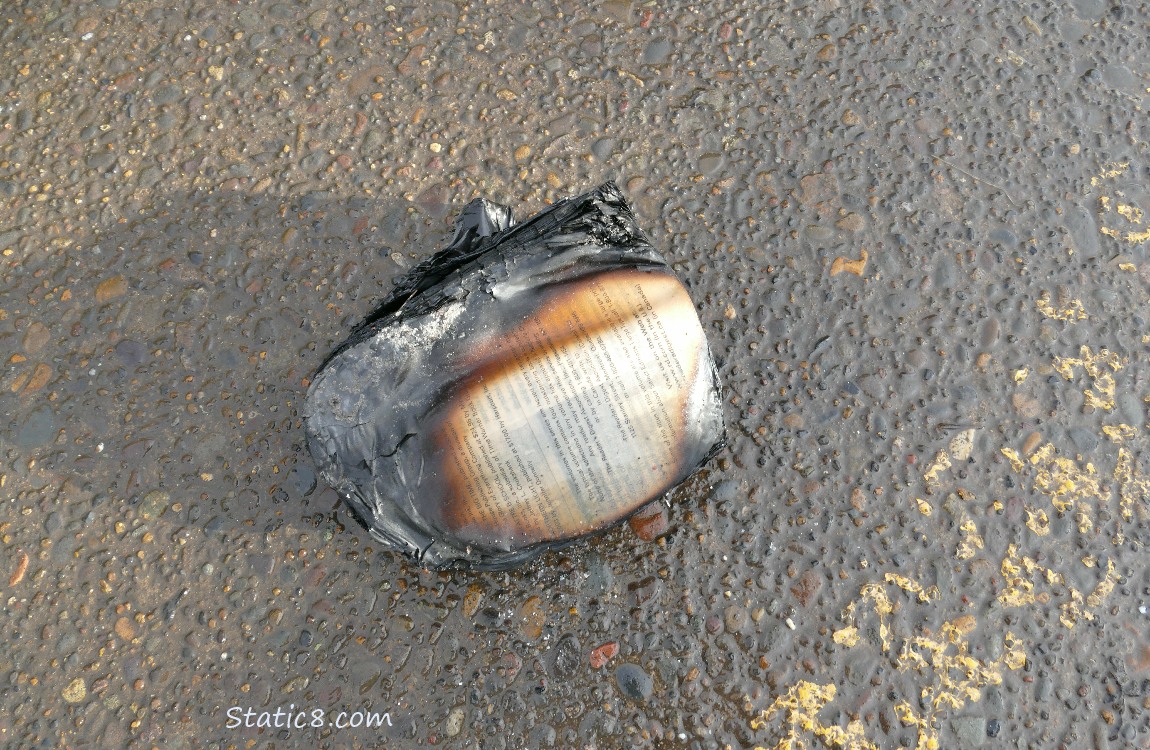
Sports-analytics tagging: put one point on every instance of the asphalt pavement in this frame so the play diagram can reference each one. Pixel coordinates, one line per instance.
(918, 237)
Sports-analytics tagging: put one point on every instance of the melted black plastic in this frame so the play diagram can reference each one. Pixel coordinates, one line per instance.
(373, 393)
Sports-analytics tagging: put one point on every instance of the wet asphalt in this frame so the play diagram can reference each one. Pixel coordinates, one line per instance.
(918, 240)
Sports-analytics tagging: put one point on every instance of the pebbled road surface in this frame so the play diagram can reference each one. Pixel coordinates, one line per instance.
(918, 238)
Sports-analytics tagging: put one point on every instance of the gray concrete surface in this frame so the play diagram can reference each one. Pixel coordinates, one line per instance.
(917, 235)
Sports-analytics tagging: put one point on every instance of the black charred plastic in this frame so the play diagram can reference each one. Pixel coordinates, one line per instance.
(370, 404)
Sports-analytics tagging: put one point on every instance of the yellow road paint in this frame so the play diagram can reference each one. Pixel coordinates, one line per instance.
(800, 707)
(1109, 172)
(913, 587)
(1023, 574)
(1072, 311)
(959, 677)
(1129, 213)
(848, 636)
(1095, 367)
(1120, 432)
(1037, 521)
(1133, 485)
(941, 464)
(1064, 481)
(971, 543)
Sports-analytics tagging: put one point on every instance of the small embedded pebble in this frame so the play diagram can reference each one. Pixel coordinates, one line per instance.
(710, 163)
(633, 682)
(75, 691)
(125, 628)
(111, 288)
(651, 521)
(36, 338)
(603, 654)
(988, 335)
(302, 479)
(565, 656)
(52, 522)
(970, 730)
(130, 352)
(657, 51)
(542, 735)
(852, 223)
(1084, 440)
(735, 618)
(262, 564)
(37, 429)
(1026, 406)
(602, 148)
(453, 724)
(154, 504)
(532, 617)
(725, 491)
(166, 94)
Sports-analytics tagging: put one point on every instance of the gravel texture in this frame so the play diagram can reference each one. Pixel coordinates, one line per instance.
(918, 237)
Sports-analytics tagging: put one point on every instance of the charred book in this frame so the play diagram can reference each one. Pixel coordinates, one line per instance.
(526, 386)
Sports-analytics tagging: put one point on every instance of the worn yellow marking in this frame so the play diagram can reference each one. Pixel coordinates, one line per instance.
(1037, 521)
(1133, 485)
(924, 594)
(800, 707)
(883, 607)
(1012, 456)
(1064, 481)
(927, 735)
(959, 677)
(1072, 311)
(1109, 172)
(941, 464)
(953, 676)
(1080, 488)
(1019, 591)
(970, 543)
(949, 655)
(1129, 213)
(840, 265)
(1104, 587)
(848, 636)
(1118, 433)
(1102, 394)
(1022, 574)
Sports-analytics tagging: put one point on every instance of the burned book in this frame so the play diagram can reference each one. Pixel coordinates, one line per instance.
(526, 386)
